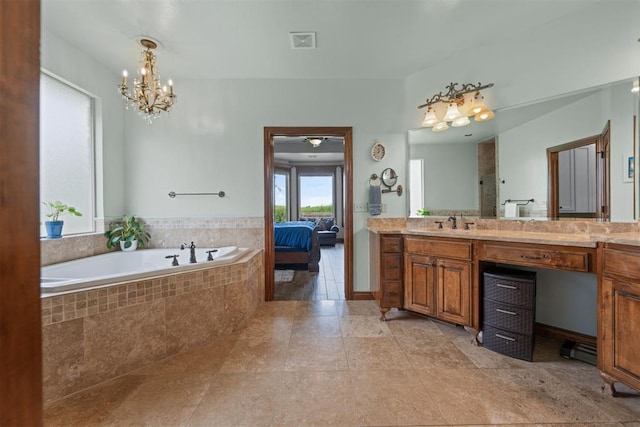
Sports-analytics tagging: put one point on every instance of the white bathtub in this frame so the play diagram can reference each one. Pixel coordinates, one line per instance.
(117, 267)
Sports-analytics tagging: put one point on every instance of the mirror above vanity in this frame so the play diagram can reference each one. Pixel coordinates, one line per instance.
(475, 169)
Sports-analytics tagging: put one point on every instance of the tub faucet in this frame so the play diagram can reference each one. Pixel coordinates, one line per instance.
(192, 246)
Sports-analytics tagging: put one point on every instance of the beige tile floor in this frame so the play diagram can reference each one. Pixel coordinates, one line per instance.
(322, 363)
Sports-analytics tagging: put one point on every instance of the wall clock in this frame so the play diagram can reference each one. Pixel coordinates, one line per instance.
(378, 151)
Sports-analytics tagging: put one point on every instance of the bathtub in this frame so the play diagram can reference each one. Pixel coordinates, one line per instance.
(117, 267)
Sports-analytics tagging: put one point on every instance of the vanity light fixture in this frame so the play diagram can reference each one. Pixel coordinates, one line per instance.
(148, 95)
(455, 98)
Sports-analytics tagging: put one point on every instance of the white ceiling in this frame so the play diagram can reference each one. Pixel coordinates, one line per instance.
(250, 39)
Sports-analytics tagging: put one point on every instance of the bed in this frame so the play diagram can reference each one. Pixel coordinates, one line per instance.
(297, 243)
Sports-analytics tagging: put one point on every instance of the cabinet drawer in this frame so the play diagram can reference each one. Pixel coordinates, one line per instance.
(392, 294)
(391, 244)
(622, 262)
(573, 259)
(439, 248)
(508, 343)
(392, 266)
(508, 317)
(510, 289)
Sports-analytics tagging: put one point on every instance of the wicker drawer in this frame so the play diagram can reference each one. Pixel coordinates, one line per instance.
(392, 294)
(391, 244)
(439, 248)
(508, 343)
(508, 317)
(574, 259)
(511, 288)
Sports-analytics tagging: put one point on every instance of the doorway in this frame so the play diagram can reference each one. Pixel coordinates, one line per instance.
(578, 177)
(270, 133)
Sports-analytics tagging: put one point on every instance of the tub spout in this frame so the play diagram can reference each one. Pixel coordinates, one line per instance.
(192, 247)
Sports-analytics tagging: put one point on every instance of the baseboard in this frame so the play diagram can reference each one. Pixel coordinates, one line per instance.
(554, 332)
(362, 296)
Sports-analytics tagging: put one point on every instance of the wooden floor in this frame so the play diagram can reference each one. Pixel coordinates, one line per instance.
(328, 284)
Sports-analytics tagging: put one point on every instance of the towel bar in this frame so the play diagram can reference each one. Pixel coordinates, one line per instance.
(173, 194)
(517, 201)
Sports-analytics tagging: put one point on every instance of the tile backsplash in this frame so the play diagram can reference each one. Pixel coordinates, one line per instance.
(165, 232)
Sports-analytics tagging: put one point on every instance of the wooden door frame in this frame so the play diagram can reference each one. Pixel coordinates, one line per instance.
(269, 170)
(553, 178)
(20, 315)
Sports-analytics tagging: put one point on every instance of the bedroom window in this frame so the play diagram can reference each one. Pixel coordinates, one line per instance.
(316, 196)
(67, 151)
(281, 197)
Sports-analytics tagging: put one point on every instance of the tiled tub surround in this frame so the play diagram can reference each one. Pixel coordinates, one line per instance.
(94, 335)
(165, 233)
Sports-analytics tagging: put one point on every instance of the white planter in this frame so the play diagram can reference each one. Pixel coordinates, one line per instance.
(133, 247)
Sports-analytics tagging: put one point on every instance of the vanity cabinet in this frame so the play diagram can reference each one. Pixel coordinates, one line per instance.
(386, 273)
(619, 316)
(437, 278)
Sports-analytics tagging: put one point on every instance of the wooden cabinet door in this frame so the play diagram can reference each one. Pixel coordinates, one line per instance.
(420, 284)
(454, 291)
(619, 330)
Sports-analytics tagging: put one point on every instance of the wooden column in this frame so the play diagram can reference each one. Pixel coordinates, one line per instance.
(20, 334)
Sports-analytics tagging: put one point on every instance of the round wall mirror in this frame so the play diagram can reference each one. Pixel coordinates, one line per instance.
(389, 177)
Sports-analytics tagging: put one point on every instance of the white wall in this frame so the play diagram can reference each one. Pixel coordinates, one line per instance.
(213, 140)
(594, 46)
(447, 187)
(64, 60)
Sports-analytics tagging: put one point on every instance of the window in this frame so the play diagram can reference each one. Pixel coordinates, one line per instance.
(67, 151)
(416, 178)
(316, 196)
(281, 197)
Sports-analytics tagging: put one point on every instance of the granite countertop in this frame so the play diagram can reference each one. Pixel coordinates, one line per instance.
(550, 238)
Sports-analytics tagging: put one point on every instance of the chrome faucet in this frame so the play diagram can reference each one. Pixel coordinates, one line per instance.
(453, 218)
(192, 246)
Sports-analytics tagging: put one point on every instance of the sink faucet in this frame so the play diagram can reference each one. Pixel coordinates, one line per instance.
(192, 246)
(453, 218)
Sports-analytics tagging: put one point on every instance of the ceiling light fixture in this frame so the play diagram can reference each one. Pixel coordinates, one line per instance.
(315, 142)
(455, 98)
(148, 95)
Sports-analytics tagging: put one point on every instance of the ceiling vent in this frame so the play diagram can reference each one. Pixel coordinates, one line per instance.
(303, 40)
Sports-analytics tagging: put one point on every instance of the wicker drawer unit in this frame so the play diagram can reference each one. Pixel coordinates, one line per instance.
(509, 312)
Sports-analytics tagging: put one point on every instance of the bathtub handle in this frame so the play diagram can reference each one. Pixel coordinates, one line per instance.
(175, 259)
(210, 257)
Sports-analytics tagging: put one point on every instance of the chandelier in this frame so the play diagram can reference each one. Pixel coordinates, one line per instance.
(148, 95)
(455, 100)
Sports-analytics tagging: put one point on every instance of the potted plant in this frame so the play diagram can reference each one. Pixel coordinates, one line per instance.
(128, 232)
(57, 209)
(423, 212)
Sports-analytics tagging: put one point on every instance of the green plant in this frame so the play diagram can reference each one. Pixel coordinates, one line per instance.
(423, 212)
(57, 209)
(127, 229)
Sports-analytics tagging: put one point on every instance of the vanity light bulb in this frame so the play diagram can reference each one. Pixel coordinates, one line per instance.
(452, 113)
(442, 126)
(483, 117)
(430, 118)
(461, 121)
